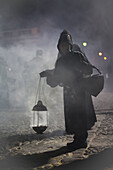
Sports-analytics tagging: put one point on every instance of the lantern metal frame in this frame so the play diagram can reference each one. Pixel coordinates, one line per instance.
(37, 108)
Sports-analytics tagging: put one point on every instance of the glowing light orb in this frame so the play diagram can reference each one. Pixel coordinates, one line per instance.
(105, 58)
(100, 53)
(84, 44)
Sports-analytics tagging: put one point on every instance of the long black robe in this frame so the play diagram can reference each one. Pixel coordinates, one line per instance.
(78, 107)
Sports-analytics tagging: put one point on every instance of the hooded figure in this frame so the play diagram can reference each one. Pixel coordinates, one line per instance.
(69, 71)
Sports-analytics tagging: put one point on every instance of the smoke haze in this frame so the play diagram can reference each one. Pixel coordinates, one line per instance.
(88, 20)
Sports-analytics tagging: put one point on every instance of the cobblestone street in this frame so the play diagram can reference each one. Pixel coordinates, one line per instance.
(22, 148)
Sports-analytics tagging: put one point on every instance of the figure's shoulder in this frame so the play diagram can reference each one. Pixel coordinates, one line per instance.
(76, 54)
(76, 47)
(80, 56)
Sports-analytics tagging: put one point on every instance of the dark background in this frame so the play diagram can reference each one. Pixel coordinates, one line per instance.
(90, 17)
(87, 20)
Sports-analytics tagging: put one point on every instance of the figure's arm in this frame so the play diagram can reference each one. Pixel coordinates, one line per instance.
(51, 75)
(59, 74)
(46, 73)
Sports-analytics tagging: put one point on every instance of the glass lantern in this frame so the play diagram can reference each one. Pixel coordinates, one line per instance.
(40, 117)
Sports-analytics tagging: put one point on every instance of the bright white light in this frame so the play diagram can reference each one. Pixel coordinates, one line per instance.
(84, 44)
(100, 53)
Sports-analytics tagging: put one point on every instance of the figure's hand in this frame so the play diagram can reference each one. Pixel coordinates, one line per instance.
(43, 74)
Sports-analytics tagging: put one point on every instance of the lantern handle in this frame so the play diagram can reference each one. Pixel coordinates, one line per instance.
(43, 91)
(38, 91)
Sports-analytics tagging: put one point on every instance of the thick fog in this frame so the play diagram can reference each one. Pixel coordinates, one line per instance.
(23, 58)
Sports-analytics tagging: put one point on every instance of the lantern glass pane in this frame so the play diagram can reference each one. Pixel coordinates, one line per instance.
(40, 118)
(43, 118)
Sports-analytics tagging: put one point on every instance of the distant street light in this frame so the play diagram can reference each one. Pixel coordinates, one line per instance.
(105, 58)
(100, 53)
(84, 44)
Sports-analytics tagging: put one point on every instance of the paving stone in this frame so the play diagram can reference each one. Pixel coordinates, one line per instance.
(51, 147)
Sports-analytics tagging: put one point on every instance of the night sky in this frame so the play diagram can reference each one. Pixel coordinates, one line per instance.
(88, 18)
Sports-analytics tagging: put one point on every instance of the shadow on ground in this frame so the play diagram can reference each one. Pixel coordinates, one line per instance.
(31, 161)
(99, 161)
(16, 139)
